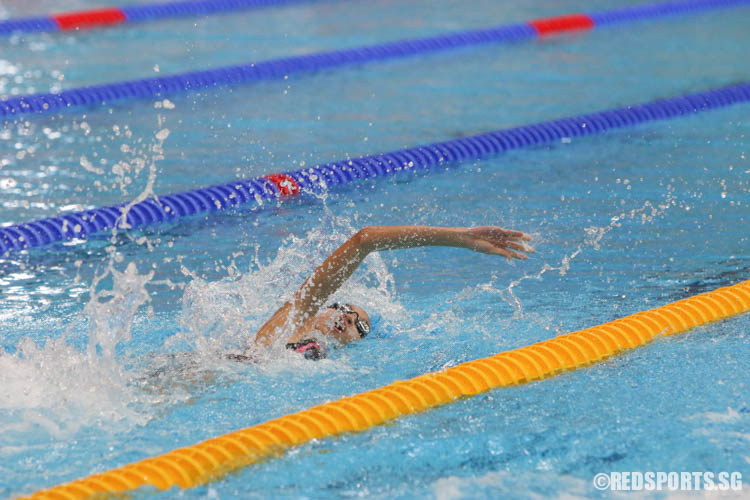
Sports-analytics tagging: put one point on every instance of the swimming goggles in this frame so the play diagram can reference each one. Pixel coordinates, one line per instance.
(362, 327)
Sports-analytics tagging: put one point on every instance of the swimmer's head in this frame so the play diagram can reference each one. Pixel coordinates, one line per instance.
(344, 322)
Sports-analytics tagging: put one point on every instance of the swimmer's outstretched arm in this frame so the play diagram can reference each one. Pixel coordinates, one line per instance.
(337, 268)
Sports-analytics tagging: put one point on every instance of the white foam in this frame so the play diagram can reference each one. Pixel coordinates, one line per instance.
(54, 390)
(731, 415)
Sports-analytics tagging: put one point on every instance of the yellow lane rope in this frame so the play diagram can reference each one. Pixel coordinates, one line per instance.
(209, 460)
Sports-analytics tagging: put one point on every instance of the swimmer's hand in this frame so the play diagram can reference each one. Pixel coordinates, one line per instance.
(498, 241)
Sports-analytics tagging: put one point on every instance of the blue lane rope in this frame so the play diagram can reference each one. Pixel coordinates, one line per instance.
(139, 13)
(159, 87)
(27, 25)
(322, 177)
(650, 11)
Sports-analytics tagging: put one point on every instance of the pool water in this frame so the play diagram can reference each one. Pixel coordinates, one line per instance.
(111, 349)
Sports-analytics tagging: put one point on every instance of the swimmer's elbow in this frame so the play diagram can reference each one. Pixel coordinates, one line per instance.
(374, 238)
(365, 238)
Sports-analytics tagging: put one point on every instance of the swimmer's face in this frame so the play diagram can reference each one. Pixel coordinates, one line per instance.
(341, 325)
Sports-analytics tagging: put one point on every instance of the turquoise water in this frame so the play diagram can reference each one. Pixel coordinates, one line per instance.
(104, 363)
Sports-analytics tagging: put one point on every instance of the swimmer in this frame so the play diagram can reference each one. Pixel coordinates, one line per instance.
(345, 323)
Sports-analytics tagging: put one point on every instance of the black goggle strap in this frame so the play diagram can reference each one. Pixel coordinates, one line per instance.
(362, 327)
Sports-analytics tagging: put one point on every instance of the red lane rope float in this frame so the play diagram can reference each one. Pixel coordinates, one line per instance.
(89, 18)
(561, 24)
(214, 458)
(285, 183)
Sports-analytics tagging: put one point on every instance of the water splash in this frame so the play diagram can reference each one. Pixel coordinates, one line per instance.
(224, 315)
(127, 169)
(594, 235)
(492, 319)
(54, 390)
(111, 312)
